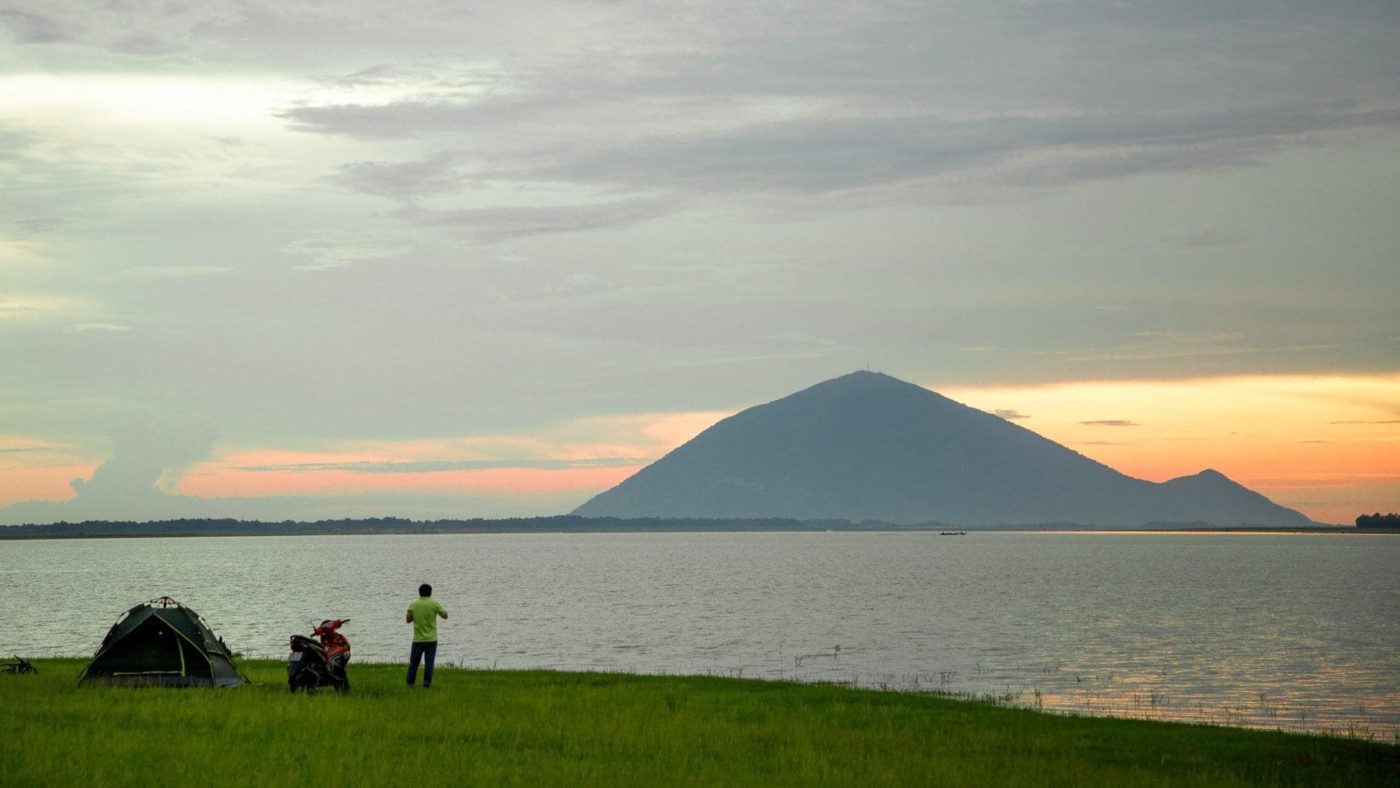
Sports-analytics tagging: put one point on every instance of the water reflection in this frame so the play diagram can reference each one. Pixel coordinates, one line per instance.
(1277, 631)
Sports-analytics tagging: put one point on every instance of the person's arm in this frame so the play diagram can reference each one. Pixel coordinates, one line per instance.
(442, 611)
(408, 617)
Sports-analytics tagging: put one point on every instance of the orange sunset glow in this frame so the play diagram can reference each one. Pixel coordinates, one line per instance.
(1328, 446)
(219, 481)
(582, 456)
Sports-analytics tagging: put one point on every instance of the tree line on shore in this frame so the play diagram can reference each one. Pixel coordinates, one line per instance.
(400, 525)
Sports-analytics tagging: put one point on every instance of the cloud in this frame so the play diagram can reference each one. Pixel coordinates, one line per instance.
(1010, 415)
(33, 28)
(395, 120)
(144, 44)
(1109, 423)
(401, 180)
(328, 251)
(136, 482)
(504, 223)
(13, 140)
(104, 327)
(147, 455)
(146, 273)
(28, 307)
(821, 153)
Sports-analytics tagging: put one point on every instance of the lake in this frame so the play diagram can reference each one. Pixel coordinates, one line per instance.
(1292, 631)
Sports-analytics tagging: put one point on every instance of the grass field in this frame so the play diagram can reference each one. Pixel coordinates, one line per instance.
(490, 727)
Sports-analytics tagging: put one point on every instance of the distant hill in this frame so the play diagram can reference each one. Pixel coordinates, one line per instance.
(866, 446)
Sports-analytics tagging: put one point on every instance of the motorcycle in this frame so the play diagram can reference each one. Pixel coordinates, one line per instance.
(319, 660)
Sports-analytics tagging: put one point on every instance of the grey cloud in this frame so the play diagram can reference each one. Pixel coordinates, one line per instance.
(144, 451)
(1109, 423)
(144, 44)
(147, 453)
(824, 154)
(401, 180)
(409, 118)
(38, 225)
(218, 31)
(1009, 414)
(933, 54)
(499, 224)
(379, 74)
(438, 79)
(12, 141)
(33, 28)
(1188, 14)
(328, 251)
(144, 273)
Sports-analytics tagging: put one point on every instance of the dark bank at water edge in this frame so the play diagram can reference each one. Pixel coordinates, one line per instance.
(533, 727)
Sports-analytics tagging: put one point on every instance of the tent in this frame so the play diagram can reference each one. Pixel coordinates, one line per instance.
(162, 642)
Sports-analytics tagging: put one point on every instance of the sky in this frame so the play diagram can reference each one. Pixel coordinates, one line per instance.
(442, 259)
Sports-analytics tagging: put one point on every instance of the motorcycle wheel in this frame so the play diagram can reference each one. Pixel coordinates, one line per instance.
(304, 680)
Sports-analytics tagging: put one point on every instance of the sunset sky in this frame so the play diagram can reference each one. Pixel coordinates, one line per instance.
(436, 259)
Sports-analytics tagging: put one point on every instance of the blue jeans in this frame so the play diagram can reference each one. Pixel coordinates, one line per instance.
(426, 652)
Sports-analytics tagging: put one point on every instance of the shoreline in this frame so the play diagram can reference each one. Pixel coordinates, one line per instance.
(262, 665)
(144, 531)
(558, 728)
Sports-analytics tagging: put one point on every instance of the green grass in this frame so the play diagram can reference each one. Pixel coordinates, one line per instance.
(500, 727)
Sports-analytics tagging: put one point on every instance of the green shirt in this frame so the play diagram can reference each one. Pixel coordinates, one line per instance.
(425, 614)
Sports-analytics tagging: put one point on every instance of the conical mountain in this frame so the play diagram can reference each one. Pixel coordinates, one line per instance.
(866, 446)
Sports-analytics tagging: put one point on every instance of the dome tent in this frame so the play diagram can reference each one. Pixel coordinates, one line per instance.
(162, 642)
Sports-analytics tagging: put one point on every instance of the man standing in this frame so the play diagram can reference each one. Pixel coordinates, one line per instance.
(423, 615)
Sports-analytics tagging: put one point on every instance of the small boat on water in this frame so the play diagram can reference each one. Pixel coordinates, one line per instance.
(952, 533)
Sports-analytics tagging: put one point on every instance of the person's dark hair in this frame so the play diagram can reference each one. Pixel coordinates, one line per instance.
(425, 590)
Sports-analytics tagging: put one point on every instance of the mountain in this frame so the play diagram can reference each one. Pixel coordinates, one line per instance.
(866, 446)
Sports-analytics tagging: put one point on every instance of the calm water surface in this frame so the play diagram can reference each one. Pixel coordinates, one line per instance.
(1290, 631)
